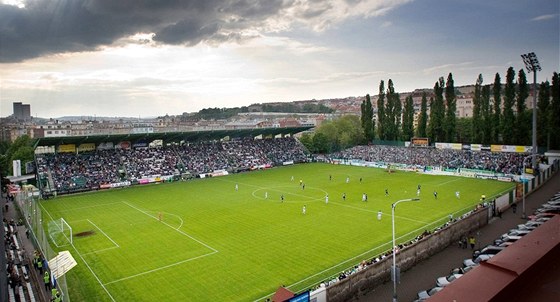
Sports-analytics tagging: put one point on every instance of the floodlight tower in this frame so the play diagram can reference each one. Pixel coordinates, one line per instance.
(394, 272)
(532, 65)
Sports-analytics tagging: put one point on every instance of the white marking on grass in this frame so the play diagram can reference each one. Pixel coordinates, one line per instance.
(160, 268)
(287, 193)
(84, 260)
(450, 181)
(178, 217)
(179, 231)
(113, 241)
(101, 250)
(273, 189)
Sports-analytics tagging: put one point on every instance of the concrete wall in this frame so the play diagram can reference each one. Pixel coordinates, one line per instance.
(356, 285)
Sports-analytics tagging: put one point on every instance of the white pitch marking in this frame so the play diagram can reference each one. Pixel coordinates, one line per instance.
(113, 241)
(160, 268)
(85, 262)
(181, 232)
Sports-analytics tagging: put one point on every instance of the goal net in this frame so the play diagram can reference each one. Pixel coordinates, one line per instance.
(60, 232)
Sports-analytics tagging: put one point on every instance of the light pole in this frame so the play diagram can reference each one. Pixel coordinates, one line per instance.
(523, 181)
(394, 267)
(532, 65)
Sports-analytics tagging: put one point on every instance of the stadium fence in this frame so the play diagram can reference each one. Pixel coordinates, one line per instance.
(27, 204)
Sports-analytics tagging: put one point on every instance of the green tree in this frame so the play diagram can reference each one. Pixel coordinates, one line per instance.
(381, 112)
(486, 112)
(389, 118)
(508, 123)
(336, 135)
(544, 116)
(306, 140)
(464, 130)
(451, 107)
(215, 113)
(398, 116)
(392, 113)
(496, 122)
(20, 149)
(437, 113)
(431, 131)
(349, 133)
(4, 159)
(320, 143)
(555, 112)
(477, 132)
(523, 125)
(363, 114)
(367, 119)
(423, 118)
(408, 119)
(328, 129)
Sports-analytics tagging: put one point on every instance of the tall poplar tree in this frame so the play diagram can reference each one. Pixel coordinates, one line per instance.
(555, 112)
(508, 123)
(390, 119)
(363, 114)
(451, 107)
(544, 115)
(408, 119)
(423, 118)
(367, 119)
(464, 129)
(381, 111)
(431, 131)
(398, 116)
(496, 122)
(486, 112)
(437, 115)
(477, 132)
(523, 118)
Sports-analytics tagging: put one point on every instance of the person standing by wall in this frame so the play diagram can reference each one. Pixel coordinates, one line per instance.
(472, 242)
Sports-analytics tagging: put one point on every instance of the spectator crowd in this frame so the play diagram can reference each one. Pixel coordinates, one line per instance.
(500, 162)
(70, 172)
(89, 170)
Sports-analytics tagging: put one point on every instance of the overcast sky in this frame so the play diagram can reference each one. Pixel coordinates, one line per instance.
(152, 57)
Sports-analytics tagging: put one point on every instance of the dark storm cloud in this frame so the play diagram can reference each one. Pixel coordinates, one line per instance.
(56, 26)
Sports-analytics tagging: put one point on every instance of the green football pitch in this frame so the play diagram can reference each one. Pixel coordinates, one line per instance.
(203, 240)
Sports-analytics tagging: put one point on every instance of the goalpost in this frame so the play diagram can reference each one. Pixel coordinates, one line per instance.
(60, 232)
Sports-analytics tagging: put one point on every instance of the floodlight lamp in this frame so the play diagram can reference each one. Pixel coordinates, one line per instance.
(531, 62)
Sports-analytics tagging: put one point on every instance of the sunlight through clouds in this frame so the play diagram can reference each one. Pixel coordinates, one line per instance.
(152, 58)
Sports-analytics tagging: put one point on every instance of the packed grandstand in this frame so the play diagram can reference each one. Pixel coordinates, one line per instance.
(71, 172)
(104, 168)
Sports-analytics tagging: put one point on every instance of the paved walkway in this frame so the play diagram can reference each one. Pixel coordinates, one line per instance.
(39, 290)
(423, 276)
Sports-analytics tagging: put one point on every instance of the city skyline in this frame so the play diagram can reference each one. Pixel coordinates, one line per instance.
(125, 58)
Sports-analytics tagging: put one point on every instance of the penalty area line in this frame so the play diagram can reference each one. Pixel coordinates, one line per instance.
(177, 230)
(160, 268)
(113, 241)
(101, 250)
(84, 260)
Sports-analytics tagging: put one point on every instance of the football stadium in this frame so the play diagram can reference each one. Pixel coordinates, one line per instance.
(279, 151)
(245, 218)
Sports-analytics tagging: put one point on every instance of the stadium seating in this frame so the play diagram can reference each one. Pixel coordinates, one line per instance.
(90, 170)
(500, 162)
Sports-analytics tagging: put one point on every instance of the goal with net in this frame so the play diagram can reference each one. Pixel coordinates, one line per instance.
(60, 232)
